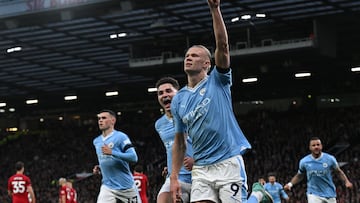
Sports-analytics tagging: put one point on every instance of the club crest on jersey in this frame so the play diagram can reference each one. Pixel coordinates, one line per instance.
(111, 145)
(325, 165)
(202, 91)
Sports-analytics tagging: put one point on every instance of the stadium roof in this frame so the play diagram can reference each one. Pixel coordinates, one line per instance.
(51, 49)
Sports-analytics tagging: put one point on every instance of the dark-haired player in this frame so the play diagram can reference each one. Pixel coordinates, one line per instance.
(115, 152)
(19, 186)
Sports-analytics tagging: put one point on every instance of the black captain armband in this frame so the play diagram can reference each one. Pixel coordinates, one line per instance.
(128, 146)
(222, 70)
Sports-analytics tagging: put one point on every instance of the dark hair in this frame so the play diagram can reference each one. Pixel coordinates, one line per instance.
(168, 79)
(19, 165)
(271, 174)
(139, 168)
(108, 111)
(314, 138)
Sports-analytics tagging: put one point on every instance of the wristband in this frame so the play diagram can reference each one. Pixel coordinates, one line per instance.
(290, 184)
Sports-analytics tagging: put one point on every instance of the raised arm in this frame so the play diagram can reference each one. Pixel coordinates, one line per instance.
(222, 53)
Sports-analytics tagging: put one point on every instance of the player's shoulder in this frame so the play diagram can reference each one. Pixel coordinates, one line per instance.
(182, 91)
(306, 158)
(120, 133)
(182, 95)
(160, 121)
(11, 178)
(278, 184)
(329, 156)
(97, 139)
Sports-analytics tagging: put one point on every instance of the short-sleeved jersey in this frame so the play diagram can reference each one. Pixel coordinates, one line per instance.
(141, 182)
(319, 174)
(62, 191)
(165, 128)
(205, 112)
(276, 191)
(18, 185)
(71, 196)
(116, 173)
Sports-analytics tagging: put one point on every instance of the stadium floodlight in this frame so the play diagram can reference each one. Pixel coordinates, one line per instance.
(113, 36)
(118, 35)
(355, 69)
(260, 15)
(32, 101)
(235, 19)
(301, 75)
(113, 93)
(13, 129)
(246, 17)
(248, 80)
(152, 89)
(13, 49)
(123, 34)
(71, 97)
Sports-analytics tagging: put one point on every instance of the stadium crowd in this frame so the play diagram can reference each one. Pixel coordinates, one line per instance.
(279, 139)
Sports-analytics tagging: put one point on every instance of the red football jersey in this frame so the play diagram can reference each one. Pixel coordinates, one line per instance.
(62, 192)
(18, 184)
(141, 182)
(71, 195)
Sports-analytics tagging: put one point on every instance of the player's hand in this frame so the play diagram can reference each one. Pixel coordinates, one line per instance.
(96, 169)
(188, 163)
(287, 187)
(106, 150)
(348, 184)
(175, 189)
(214, 3)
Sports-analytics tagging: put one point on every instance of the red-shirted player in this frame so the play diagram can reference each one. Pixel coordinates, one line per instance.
(141, 182)
(62, 190)
(67, 194)
(19, 186)
(71, 195)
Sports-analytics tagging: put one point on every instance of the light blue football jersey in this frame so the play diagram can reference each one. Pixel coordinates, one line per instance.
(165, 128)
(116, 173)
(276, 191)
(319, 174)
(205, 112)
